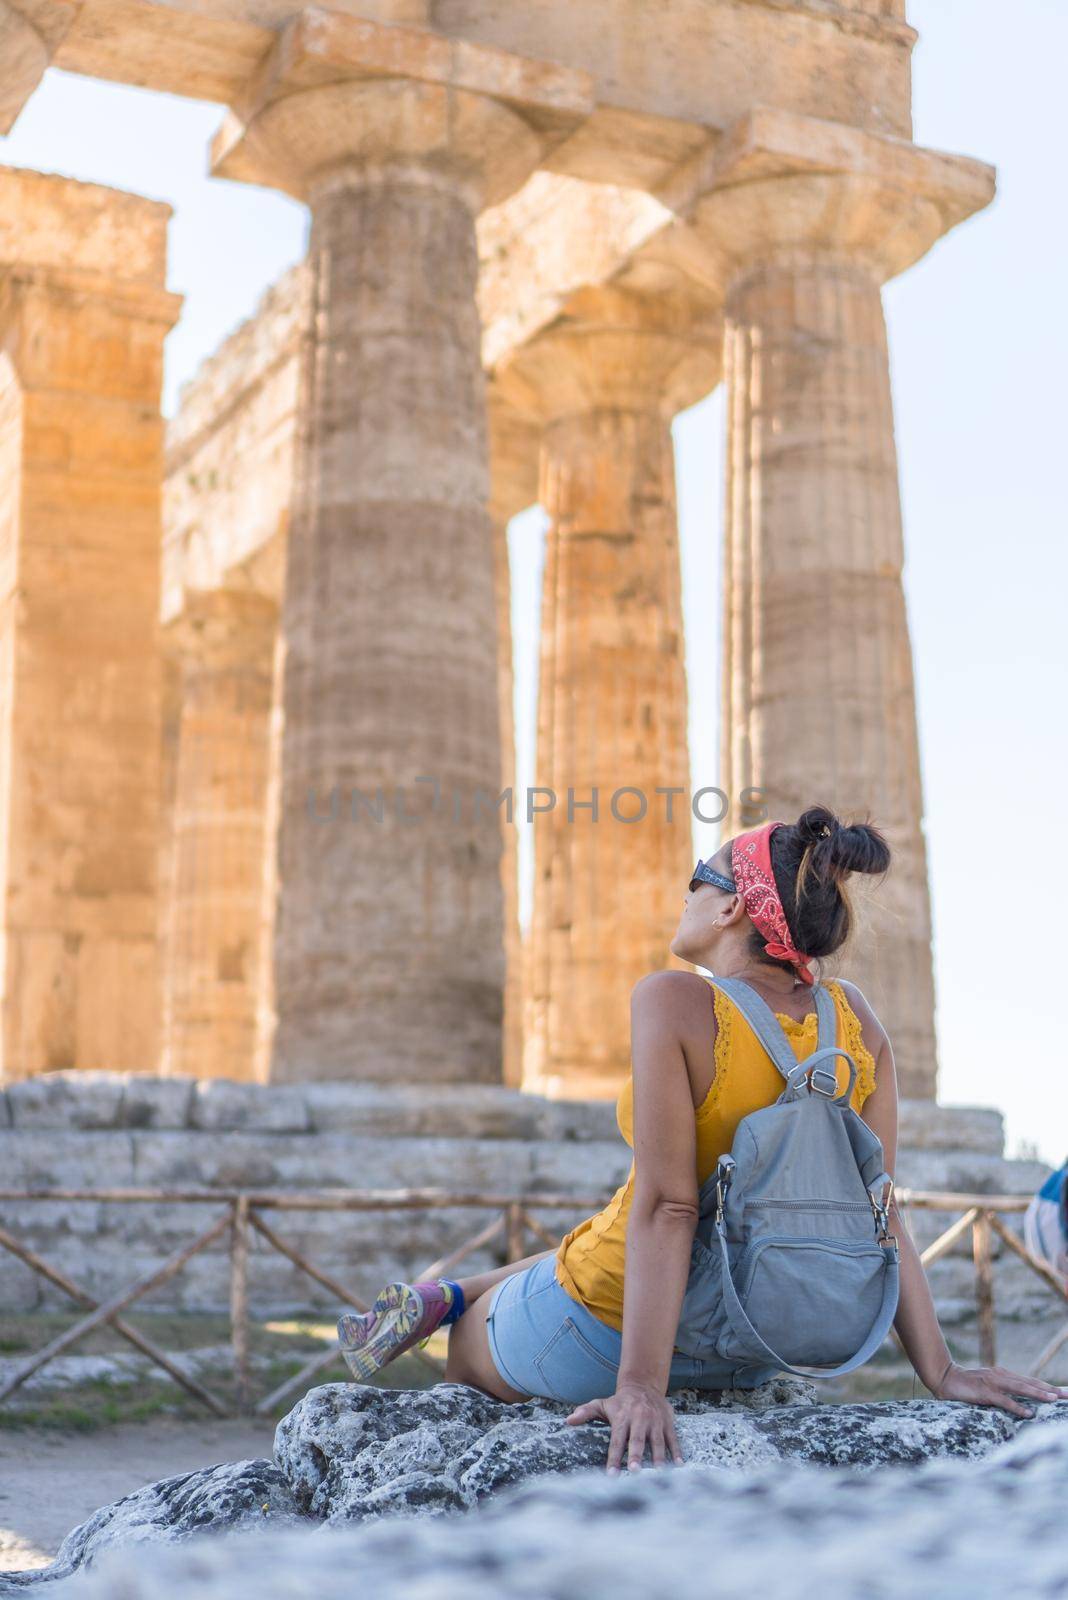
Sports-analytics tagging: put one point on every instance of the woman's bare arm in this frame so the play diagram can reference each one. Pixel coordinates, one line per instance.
(663, 1210)
(660, 1225)
(917, 1321)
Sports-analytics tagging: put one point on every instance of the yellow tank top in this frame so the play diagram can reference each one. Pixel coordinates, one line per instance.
(589, 1262)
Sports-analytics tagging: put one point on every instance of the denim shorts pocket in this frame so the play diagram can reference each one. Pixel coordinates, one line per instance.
(572, 1369)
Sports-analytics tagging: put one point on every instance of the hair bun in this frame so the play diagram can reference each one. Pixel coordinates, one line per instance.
(837, 848)
(817, 823)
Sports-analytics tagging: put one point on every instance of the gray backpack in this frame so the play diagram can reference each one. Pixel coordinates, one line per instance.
(793, 1264)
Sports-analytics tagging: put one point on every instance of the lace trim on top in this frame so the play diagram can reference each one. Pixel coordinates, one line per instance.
(851, 1033)
(854, 1043)
(724, 1028)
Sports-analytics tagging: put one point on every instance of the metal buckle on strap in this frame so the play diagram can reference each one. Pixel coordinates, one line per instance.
(881, 1212)
(723, 1183)
(822, 1072)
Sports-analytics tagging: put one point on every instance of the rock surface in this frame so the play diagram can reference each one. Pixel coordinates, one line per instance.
(359, 1453)
(786, 1529)
(349, 1452)
(232, 1496)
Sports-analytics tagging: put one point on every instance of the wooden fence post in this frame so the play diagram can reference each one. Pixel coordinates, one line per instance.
(515, 1231)
(239, 1242)
(982, 1256)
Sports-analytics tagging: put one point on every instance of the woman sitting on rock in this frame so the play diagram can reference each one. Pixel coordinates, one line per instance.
(557, 1324)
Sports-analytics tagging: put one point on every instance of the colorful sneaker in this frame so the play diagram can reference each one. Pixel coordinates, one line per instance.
(404, 1315)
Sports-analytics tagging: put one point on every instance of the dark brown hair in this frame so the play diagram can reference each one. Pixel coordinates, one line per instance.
(811, 859)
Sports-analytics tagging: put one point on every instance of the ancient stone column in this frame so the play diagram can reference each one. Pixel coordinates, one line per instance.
(513, 452)
(224, 640)
(83, 314)
(818, 697)
(389, 947)
(612, 711)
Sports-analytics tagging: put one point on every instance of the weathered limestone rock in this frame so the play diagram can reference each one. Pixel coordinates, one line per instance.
(151, 1102)
(389, 618)
(700, 1532)
(358, 1453)
(233, 1496)
(83, 315)
(43, 1159)
(20, 1289)
(87, 1100)
(67, 1100)
(349, 1451)
(605, 381)
(802, 222)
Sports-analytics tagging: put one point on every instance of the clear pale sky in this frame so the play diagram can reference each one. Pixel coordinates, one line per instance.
(979, 349)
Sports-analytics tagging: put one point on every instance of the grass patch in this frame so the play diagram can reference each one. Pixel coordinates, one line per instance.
(172, 1331)
(278, 1350)
(97, 1403)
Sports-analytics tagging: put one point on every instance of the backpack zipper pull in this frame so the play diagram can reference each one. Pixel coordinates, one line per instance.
(724, 1173)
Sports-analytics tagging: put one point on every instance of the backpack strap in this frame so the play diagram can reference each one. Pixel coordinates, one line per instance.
(769, 1030)
(745, 1331)
(826, 1017)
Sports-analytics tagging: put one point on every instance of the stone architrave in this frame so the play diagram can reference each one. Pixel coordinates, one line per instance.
(389, 945)
(83, 315)
(605, 381)
(224, 641)
(513, 454)
(800, 222)
(28, 38)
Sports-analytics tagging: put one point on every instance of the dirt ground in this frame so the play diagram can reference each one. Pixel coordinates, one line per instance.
(50, 1482)
(100, 1430)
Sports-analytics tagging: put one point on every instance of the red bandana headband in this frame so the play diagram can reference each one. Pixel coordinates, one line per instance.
(755, 882)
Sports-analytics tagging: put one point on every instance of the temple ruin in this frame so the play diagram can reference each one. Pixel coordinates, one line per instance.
(534, 239)
(537, 232)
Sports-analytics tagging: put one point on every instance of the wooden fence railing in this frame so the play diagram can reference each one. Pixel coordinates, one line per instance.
(242, 1215)
(979, 1212)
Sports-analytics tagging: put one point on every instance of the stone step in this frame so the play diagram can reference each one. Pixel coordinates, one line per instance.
(926, 1125)
(113, 1100)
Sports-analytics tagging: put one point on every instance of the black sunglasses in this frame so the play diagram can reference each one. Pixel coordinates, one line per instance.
(703, 873)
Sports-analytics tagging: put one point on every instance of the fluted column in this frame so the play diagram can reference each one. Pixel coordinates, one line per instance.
(389, 946)
(224, 640)
(83, 316)
(820, 701)
(513, 450)
(612, 718)
(817, 685)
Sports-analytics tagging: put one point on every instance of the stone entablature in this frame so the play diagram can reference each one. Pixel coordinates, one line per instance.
(849, 62)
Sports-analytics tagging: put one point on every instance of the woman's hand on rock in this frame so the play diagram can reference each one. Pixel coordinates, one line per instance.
(995, 1386)
(639, 1416)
